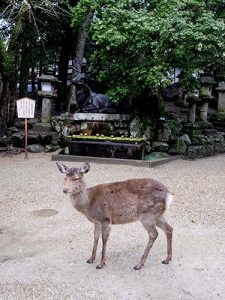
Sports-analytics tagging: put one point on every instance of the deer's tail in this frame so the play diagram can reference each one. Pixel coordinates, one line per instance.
(169, 199)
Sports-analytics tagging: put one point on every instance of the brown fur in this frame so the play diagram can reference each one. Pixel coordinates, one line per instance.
(119, 203)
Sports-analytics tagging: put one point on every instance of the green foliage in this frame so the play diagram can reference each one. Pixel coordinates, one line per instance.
(137, 42)
(126, 37)
(192, 36)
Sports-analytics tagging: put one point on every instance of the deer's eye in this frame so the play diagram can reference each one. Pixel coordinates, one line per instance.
(74, 178)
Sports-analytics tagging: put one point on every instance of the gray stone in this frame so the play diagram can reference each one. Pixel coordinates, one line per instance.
(35, 148)
(19, 123)
(160, 146)
(4, 139)
(135, 130)
(46, 110)
(45, 138)
(168, 131)
(33, 138)
(185, 138)
(32, 121)
(155, 155)
(179, 147)
(18, 139)
(192, 152)
(100, 117)
(51, 148)
(42, 127)
(13, 129)
(221, 98)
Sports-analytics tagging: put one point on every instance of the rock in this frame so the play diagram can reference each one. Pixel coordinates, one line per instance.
(13, 129)
(160, 146)
(4, 139)
(4, 135)
(19, 123)
(33, 138)
(178, 147)
(18, 139)
(32, 121)
(135, 131)
(51, 148)
(45, 138)
(168, 130)
(35, 148)
(66, 150)
(156, 155)
(185, 138)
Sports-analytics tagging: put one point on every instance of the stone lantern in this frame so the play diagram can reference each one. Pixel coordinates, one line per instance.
(221, 93)
(192, 99)
(205, 95)
(48, 95)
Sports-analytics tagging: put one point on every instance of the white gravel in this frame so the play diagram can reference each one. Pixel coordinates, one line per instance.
(45, 257)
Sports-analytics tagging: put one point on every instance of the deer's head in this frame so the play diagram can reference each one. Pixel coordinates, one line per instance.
(73, 177)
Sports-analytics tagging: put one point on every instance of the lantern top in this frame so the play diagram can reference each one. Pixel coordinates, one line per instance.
(49, 78)
(207, 80)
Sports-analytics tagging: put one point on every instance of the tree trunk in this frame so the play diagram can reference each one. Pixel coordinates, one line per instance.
(24, 68)
(8, 96)
(63, 69)
(79, 55)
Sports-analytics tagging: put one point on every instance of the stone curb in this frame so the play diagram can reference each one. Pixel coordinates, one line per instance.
(58, 156)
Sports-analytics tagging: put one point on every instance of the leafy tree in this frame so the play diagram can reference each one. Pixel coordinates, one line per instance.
(192, 35)
(36, 29)
(137, 44)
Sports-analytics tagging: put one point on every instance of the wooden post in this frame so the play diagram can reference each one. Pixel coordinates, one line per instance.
(25, 136)
(25, 109)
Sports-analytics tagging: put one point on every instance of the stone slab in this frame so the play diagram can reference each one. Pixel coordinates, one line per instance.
(100, 117)
(59, 156)
(42, 127)
(210, 132)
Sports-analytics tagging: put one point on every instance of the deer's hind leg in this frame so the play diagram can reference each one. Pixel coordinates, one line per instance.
(152, 234)
(161, 223)
(97, 233)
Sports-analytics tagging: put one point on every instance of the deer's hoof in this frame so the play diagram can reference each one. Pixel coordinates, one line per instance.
(136, 268)
(99, 267)
(90, 261)
(166, 261)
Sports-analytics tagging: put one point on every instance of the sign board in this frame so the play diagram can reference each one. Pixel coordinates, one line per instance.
(25, 108)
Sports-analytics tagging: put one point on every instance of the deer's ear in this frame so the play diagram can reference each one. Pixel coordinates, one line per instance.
(85, 167)
(62, 168)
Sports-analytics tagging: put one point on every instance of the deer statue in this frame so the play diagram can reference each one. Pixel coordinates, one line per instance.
(119, 203)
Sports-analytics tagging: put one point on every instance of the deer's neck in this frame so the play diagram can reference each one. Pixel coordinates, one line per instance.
(80, 200)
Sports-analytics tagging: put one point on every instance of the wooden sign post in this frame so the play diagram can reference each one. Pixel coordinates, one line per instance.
(25, 109)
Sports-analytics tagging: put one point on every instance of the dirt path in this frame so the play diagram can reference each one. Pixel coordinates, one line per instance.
(44, 243)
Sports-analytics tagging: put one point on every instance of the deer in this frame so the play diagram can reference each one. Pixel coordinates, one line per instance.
(120, 202)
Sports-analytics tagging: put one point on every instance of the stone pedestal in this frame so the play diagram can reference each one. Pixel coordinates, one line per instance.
(192, 112)
(221, 96)
(204, 110)
(192, 99)
(204, 105)
(46, 111)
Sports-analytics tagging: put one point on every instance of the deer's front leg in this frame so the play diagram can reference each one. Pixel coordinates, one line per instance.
(105, 227)
(97, 232)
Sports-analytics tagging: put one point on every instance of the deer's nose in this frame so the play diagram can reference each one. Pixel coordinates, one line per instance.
(65, 190)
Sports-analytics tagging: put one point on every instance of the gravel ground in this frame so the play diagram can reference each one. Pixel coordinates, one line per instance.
(43, 255)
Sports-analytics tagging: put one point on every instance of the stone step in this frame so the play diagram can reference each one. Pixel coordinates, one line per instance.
(42, 127)
(210, 131)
